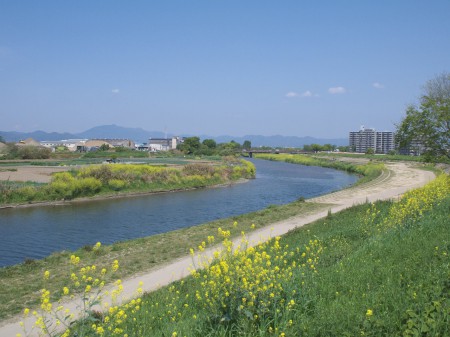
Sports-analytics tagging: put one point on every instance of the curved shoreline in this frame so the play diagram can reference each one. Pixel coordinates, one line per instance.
(401, 178)
(113, 196)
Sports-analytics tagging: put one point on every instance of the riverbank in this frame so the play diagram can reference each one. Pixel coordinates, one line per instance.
(115, 196)
(398, 178)
(105, 181)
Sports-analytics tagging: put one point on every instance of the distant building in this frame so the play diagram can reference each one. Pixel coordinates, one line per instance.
(362, 140)
(368, 138)
(112, 143)
(164, 144)
(385, 142)
(142, 147)
(70, 144)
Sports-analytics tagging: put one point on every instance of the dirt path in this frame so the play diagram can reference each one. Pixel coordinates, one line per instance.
(399, 178)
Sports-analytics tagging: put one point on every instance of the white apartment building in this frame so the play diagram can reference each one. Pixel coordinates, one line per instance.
(368, 138)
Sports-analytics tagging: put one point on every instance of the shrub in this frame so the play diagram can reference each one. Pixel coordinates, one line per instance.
(87, 186)
(59, 189)
(116, 184)
(27, 193)
(33, 152)
(198, 169)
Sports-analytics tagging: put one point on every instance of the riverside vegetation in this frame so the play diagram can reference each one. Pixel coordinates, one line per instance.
(367, 171)
(21, 282)
(108, 179)
(377, 269)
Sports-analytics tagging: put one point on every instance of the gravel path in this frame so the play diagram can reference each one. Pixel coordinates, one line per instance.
(399, 178)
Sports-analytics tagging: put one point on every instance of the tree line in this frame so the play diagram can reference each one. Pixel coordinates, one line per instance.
(209, 147)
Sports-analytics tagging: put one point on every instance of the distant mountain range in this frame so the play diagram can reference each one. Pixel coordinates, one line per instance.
(140, 135)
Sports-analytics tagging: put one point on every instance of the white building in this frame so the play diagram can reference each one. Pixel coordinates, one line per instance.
(164, 144)
(368, 138)
(70, 144)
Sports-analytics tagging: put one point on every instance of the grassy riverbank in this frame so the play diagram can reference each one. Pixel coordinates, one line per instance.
(374, 270)
(116, 179)
(368, 171)
(20, 284)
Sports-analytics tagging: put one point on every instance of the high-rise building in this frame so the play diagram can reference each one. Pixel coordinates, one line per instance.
(368, 138)
(385, 142)
(362, 140)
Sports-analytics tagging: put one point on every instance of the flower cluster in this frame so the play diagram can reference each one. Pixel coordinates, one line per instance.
(87, 282)
(412, 205)
(253, 283)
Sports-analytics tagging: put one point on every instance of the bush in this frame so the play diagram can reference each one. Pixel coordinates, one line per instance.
(27, 193)
(116, 184)
(198, 169)
(87, 186)
(33, 152)
(58, 190)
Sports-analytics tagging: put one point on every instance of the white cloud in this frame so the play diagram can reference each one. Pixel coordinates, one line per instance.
(115, 91)
(307, 93)
(378, 85)
(337, 90)
(291, 94)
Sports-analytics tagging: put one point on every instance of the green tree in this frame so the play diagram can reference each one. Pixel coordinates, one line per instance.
(247, 145)
(191, 145)
(307, 147)
(210, 143)
(2, 140)
(33, 152)
(370, 151)
(104, 147)
(316, 147)
(429, 123)
(329, 147)
(235, 145)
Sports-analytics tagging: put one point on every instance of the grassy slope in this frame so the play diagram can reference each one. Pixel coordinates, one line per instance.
(20, 284)
(380, 273)
(390, 274)
(401, 276)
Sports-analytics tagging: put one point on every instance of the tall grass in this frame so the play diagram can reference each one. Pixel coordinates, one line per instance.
(111, 179)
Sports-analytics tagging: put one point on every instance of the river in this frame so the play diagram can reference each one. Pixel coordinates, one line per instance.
(36, 232)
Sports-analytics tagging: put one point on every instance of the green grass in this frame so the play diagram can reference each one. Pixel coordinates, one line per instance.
(392, 283)
(20, 284)
(373, 270)
(384, 157)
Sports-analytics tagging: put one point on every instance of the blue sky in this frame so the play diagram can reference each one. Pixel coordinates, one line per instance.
(297, 68)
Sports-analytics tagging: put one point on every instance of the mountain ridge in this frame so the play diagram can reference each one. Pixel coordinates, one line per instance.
(140, 135)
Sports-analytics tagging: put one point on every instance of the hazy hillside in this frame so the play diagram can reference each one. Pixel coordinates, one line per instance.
(140, 135)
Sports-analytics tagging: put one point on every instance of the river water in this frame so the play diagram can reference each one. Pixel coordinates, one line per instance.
(36, 232)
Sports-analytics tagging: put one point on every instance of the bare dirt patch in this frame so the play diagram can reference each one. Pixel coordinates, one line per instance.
(38, 174)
